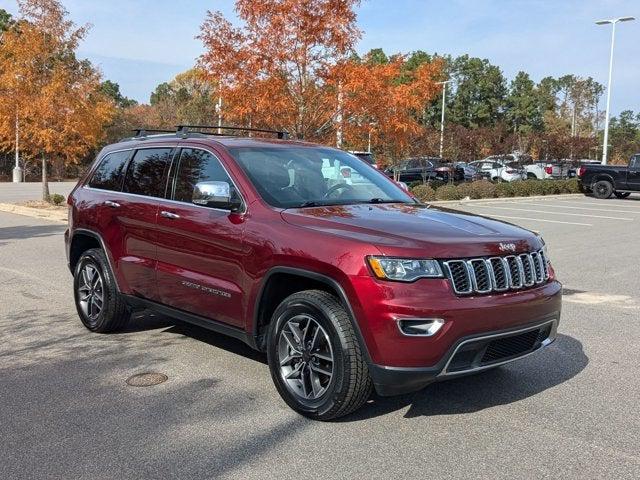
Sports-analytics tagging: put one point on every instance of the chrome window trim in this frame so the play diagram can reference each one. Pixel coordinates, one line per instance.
(147, 147)
(544, 343)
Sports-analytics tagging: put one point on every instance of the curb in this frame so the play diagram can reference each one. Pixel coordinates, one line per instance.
(54, 216)
(479, 200)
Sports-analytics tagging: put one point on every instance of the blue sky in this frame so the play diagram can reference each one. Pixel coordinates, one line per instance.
(140, 43)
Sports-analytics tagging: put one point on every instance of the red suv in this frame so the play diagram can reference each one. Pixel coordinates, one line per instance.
(311, 255)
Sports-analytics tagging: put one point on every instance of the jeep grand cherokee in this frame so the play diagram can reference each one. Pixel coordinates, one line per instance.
(348, 286)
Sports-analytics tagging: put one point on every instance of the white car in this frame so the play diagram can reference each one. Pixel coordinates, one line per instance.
(500, 170)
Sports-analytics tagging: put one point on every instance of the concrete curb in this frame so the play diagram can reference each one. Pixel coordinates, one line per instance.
(480, 200)
(52, 215)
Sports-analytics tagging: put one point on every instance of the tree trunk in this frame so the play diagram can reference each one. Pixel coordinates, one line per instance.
(45, 181)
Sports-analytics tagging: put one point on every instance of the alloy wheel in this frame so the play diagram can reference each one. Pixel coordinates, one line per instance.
(90, 291)
(306, 357)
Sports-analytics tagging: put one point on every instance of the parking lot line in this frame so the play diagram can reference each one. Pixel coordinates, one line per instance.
(576, 208)
(618, 204)
(558, 213)
(540, 220)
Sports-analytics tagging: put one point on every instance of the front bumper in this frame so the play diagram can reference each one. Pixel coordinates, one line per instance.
(469, 355)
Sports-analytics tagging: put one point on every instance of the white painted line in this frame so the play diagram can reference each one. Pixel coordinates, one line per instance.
(561, 213)
(576, 208)
(541, 220)
(602, 203)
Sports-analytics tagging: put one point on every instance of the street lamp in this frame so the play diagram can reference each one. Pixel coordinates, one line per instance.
(444, 93)
(613, 22)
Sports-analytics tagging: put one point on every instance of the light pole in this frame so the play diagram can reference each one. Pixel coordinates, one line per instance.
(613, 22)
(17, 171)
(444, 94)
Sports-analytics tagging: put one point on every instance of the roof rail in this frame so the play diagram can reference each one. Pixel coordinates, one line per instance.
(185, 129)
(142, 132)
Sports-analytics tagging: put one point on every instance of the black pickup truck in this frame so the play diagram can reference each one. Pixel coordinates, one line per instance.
(602, 181)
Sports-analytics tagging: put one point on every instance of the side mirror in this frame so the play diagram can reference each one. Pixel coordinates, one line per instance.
(215, 195)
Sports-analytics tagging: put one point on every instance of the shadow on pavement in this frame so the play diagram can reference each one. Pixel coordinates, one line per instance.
(30, 231)
(561, 361)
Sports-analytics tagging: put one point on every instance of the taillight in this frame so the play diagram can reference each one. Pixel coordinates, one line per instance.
(548, 170)
(581, 170)
(346, 172)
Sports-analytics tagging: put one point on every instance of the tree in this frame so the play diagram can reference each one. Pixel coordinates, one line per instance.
(112, 90)
(273, 69)
(479, 95)
(5, 20)
(55, 97)
(624, 135)
(522, 112)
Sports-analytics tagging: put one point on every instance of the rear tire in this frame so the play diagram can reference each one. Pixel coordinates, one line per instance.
(99, 304)
(315, 357)
(602, 189)
(622, 194)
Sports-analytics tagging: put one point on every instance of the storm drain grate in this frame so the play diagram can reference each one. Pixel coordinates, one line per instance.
(148, 379)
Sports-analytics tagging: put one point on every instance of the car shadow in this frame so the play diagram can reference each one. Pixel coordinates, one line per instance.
(148, 320)
(22, 232)
(559, 362)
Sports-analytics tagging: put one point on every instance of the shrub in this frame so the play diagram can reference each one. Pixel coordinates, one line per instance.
(504, 189)
(424, 193)
(571, 186)
(449, 192)
(57, 199)
(482, 189)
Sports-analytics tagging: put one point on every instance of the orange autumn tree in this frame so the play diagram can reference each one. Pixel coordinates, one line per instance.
(386, 100)
(273, 69)
(55, 97)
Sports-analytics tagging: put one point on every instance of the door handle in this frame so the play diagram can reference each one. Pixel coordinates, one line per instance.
(166, 214)
(111, 204)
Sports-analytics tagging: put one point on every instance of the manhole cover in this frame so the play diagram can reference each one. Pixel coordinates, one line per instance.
(146, 379)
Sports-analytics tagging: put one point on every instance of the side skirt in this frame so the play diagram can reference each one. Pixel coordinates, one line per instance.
(138, 303)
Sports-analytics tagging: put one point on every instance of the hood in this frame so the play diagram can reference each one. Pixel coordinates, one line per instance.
(403, 229)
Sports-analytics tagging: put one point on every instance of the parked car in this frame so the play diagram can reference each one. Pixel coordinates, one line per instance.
(465, 172)
(500, 170)
(602, 181)
(347, 288)
(419, 169)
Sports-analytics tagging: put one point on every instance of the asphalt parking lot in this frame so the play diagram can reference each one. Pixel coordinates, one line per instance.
(568, 412)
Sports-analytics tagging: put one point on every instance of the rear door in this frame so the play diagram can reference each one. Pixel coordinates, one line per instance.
(137, 210)
(200, 248)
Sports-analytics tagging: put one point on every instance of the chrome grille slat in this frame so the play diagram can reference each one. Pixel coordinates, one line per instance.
(497, 274)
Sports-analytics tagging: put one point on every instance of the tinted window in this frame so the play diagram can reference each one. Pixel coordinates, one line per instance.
(110, 172)
(147, 171)
(198, 166)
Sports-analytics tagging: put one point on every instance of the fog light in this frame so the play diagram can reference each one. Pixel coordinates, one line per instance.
(421, 327)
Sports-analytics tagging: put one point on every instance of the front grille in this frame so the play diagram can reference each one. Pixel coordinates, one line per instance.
(497, 274)
(508, 347)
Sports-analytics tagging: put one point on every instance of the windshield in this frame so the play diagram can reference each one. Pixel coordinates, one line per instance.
(289, 177)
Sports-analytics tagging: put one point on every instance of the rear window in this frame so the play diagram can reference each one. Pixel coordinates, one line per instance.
(110, 172)
(147, 172)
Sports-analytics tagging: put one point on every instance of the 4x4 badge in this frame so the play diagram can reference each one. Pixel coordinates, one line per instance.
(507, 247)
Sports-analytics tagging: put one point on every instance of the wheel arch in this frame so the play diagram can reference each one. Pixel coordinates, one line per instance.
(272, 292)
(603, 176)
(83, 240)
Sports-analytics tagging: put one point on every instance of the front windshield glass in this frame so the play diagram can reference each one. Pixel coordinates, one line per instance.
(290, 177)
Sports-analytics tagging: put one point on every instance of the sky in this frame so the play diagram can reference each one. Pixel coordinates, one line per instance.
(141, 43)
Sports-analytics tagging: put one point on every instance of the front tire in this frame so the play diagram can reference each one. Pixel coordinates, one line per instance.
(315, 357)
(622, 194)
(602, 189)
(99, 304)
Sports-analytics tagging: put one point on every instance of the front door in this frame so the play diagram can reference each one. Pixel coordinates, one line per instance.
(633, 175)
(200, 249)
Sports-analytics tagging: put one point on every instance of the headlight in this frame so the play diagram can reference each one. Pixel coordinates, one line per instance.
(403, 269)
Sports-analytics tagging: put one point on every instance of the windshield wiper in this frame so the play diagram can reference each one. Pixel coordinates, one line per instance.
(309, 203)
